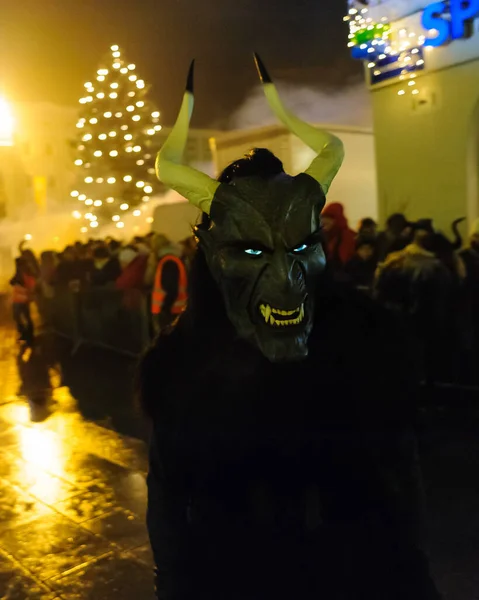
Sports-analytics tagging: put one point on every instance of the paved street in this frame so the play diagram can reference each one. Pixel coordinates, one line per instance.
(72, 479)
(72, 495)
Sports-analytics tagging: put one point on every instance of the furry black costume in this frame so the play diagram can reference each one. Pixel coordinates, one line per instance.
(271, 476)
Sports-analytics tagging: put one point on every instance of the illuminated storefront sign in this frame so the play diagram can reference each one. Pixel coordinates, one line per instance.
(388, 53)
(451, 20)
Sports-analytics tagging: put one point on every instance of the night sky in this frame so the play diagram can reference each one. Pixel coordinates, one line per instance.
(49, 48)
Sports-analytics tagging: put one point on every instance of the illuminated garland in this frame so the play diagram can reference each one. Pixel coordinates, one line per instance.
(389, 53)
(116, 146)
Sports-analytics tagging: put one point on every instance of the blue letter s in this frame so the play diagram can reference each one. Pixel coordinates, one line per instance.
(431, 19)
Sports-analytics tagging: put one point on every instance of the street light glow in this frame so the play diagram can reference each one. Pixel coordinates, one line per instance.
(6, 124)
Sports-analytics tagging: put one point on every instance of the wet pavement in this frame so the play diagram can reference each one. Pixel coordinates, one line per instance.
(73, 467)
(72, 492)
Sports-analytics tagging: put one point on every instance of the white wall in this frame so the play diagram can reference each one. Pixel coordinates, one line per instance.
(425, 156)
(355, 186)
(176, 221)
(232, 145)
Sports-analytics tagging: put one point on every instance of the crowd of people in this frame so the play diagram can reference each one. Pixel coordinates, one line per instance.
(421, 274)
(151, 265)
(409, 267)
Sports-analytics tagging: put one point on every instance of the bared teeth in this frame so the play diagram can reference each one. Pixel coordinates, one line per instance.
(285, 313)
(267, 311)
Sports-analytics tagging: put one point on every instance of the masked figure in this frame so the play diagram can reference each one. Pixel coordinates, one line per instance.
(281, 464)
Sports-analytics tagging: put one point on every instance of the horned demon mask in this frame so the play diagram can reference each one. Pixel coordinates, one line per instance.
(262, 245)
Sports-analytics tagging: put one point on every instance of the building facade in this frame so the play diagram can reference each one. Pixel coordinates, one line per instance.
(37, 171)
(355, 184)
(421, 63)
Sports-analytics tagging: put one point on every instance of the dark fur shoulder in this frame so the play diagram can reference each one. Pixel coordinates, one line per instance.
(159, 367)
(354, 315)
(378, 347)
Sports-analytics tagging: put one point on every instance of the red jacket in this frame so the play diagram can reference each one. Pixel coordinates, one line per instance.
(340, 240)
(133, 275)
(23, 291)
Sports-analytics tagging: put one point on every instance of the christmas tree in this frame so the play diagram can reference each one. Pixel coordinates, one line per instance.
(116, 146)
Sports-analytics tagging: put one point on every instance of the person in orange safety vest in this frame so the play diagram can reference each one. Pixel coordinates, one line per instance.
(169, 294)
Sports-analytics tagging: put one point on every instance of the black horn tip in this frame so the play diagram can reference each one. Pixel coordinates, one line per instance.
(262, 71)
(190, 82)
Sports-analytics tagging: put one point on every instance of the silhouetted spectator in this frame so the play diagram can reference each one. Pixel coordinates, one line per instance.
(188, 247)
(106, 269)
(362, 267)
(67, 271)
(30, 258)
(48, 273)
(23, 283)
(470, 256)
(457, 327)
(368, 228)
(396, 236)
(114, 247)
(414, 283)
(142, 245)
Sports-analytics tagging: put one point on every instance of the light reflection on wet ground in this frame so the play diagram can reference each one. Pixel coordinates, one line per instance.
(72, 493)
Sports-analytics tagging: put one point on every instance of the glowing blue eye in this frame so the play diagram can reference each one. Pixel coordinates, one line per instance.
(253, 252)
(301, 248)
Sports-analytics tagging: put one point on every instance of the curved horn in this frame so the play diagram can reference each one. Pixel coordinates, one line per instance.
(195, 186)
(328, 147)
(457, 243)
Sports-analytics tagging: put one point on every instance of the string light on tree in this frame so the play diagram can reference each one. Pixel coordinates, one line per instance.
(116, 122)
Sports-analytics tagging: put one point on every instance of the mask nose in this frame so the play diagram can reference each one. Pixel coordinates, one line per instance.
(287, 274)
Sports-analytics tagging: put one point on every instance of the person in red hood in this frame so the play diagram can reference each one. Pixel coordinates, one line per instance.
(133, 265)
(340, 240)
(131, 280)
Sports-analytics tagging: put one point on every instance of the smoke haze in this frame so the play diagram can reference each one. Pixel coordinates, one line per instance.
(349, 106)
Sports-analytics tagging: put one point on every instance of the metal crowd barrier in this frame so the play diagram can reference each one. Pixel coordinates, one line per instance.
(108, 318)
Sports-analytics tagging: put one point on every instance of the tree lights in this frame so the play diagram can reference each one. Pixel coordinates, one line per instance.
(116, 143)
